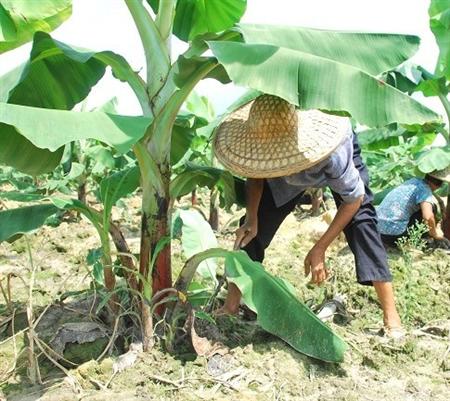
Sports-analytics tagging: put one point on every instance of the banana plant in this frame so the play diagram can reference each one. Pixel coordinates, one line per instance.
(332, 71)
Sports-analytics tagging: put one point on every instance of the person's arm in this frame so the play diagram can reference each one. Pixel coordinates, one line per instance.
(315, 260)
(428, 216)
(245, 233)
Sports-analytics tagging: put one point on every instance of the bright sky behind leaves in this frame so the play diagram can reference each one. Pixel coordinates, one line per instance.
(107, 25)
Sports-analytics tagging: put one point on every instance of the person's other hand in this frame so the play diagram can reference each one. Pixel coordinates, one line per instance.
(245, 233)
(315, 264)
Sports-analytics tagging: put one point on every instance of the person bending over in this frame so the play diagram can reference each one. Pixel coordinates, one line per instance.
(409, 203)
(283, 151)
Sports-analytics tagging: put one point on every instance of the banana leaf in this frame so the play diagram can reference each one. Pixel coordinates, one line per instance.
(18, 221)
(280, 312)
(436, 158)
(313, 82)
(273, 299)
(195, 176)
(15, 222)
(19, 20)
(197, 236)
(118, 185)
(371, 52)
(195, 17)
(439, 13)
(52, 129)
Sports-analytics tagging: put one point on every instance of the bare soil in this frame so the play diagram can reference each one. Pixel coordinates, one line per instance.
(257, 365)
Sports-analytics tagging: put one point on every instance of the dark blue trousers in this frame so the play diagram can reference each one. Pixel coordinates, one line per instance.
(361, 233)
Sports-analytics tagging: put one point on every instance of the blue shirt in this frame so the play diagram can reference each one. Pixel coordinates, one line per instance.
(337, 171)
(400, 204)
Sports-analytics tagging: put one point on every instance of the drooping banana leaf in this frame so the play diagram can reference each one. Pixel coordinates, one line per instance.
(439, 13)
(15, 222)
(273, 299)
(195, 17)
(180, 143)
(52, 129)
(313, 82)
(186, 67)
(18, 152)
(71, 73)
(187, 181)
(370, 52)
(19, 20)
(280, 312)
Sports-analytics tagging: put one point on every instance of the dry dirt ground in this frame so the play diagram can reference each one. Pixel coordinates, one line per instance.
(257, 366)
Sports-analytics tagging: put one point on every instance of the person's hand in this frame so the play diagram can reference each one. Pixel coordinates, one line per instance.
(245, 233)
(315, 264)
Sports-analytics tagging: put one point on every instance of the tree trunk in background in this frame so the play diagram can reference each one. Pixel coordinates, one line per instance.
(194, 201)
(82, 192)
(316, 201)
(213, 209)
(124, 252)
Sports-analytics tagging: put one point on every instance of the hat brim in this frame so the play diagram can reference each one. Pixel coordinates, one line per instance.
(319, 134)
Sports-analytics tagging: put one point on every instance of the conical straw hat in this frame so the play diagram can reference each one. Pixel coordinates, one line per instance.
(443, 175)
(268, 138)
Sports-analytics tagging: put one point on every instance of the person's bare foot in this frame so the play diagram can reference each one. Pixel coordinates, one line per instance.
(393, 333)
(232, 302)
(392, 320)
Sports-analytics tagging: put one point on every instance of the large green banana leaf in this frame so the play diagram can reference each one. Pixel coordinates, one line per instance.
(439, 13)
(273, 299)
(18, 152)
(70, 73)
(371, 52)
(19, 20)
(195, 17)
(280, 312)
(15, 222)
(52, 129)
(313, 82)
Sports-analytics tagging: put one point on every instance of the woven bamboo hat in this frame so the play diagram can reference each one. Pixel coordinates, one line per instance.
(268, 138)
(443, 175)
